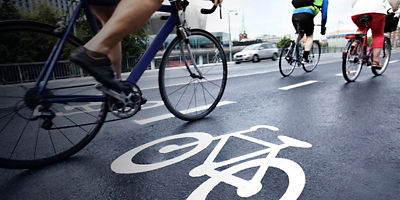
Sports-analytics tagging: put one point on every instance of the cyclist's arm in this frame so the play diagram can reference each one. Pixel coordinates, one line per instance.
(324, 19)
(394, 4)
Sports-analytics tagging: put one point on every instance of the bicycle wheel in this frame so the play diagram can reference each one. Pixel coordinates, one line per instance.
(352, 60)
(384, 58)
(287, 62)
(27, 138)
(314, 56)
(191, 93)
(125, 164)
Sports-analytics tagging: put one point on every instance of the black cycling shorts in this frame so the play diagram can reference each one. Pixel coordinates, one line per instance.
(104, 2)
(305, 22)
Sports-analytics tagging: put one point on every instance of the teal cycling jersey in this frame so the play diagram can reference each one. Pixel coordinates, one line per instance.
(314, 10)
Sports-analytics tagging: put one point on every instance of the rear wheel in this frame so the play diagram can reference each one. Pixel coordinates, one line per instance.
(287, 62)
(384, 58)
(190, 91)
(314, 56)
(352, 60)
(34, 132)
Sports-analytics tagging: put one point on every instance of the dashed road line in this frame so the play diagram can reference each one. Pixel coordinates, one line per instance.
(298, 85)
(166, 116)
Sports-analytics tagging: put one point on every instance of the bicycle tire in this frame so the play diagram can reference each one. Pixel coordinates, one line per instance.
(315, 55)
(35, 146)
(385, 58)
(171, 76)
(124, 164)
(352, 60)
(286, 58)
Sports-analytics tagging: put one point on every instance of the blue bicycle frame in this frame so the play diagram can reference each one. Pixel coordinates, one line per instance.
(135, 74)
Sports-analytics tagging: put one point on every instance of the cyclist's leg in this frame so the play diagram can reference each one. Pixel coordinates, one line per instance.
(129, 16)
(104, 13)
(308, 26)
(378, 38)
(122, 23)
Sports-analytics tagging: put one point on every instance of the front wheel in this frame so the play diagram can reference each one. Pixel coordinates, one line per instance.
(313, 57)
(192, 85)
(352, 60)
(287, 61)
(256, 58)
(384, 58)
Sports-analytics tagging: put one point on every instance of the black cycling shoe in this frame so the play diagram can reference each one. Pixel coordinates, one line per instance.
(97, 65)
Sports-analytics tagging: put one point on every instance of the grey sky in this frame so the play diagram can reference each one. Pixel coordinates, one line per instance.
(274, 17)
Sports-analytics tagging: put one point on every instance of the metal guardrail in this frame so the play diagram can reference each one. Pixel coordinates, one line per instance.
(28, 72)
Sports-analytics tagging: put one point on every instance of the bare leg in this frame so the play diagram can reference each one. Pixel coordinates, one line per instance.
(376, 53)
(129, 16)
(104, 13)
(308, 43)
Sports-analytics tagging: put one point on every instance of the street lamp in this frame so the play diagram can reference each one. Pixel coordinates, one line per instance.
(230, 35)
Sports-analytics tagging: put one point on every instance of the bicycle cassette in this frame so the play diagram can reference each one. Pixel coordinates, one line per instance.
(128, 108)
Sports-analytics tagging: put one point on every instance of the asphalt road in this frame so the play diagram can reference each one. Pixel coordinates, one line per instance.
(350, 145)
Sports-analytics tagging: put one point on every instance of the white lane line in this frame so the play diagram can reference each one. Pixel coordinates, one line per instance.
(340, 74)
(297, 85)
(166, 116)
(394, 61)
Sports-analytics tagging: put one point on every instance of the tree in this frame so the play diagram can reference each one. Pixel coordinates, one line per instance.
(282, 42)
(8, 11)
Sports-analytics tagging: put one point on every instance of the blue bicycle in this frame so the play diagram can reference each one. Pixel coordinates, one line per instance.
(44, 120)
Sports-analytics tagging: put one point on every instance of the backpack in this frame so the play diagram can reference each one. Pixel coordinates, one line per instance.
(303, 3)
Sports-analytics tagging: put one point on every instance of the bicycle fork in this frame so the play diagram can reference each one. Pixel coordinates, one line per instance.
(183, 33)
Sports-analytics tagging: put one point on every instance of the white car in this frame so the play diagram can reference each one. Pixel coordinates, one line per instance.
(257, 52)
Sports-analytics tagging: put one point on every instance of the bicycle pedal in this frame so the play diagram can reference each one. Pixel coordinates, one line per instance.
(119, 96)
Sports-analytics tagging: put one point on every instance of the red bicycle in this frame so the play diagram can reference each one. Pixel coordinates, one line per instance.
(358, 54)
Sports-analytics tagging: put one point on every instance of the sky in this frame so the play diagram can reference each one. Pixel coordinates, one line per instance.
(274, 17)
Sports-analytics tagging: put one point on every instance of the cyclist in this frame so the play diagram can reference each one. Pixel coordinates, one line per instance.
(128, 16)
(376, 9)
(303, 19)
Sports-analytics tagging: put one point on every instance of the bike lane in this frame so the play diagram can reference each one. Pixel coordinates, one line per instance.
(353, 153)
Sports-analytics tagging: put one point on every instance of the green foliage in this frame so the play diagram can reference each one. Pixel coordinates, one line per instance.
(134, 44)
(8, 10)
(369, 41)
(282, 42)
(324, 44)
(43, 12)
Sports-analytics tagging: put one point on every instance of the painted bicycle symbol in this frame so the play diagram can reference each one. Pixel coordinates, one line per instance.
(245, 188)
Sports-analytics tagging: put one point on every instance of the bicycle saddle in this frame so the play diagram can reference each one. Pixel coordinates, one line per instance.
(364, 19)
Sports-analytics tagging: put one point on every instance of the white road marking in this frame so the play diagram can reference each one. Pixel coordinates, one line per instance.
(166, 116)
(340, 74)
(394, 61)
(297, 85)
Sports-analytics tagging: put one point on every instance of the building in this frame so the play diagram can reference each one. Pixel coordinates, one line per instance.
(272, 38)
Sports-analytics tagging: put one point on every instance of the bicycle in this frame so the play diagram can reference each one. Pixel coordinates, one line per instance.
(357, 55)
(124, 164)
(51, 120)
(291, 55)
